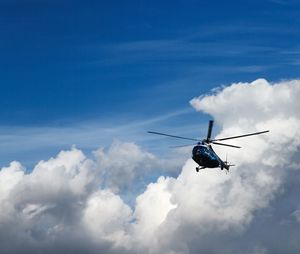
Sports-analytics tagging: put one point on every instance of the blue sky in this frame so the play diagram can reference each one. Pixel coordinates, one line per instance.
(88, 72)
(99, 75)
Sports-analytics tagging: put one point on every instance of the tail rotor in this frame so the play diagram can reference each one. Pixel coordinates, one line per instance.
(227, 165)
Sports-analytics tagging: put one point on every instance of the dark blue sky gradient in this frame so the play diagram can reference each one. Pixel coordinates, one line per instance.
(71, 61)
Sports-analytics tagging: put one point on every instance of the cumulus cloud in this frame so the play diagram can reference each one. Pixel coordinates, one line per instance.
(123, 164)
(107, 217)
(71, 203)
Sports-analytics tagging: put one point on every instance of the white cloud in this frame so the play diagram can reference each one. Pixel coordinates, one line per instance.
(251, 102)
(106, 217)
(123, 164)
(247, 107)
(71, 203)
(296, 214)
(152, 208)
(213, 203)
(9, 178)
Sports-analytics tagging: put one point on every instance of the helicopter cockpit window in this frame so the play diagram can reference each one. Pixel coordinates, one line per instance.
(199, 150)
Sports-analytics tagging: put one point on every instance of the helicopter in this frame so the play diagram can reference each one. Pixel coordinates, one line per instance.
(203, 153)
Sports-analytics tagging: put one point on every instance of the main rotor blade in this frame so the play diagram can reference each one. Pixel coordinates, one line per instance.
(221, 144)
(173, 136)
(240, 136)
(183, 146)
(210, 126)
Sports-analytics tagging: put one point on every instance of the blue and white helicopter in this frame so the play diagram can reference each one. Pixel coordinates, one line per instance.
(203, 153)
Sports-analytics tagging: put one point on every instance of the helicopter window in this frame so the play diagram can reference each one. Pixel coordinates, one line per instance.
(199, 150)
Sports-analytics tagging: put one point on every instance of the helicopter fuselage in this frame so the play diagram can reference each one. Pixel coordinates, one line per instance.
(206, 157)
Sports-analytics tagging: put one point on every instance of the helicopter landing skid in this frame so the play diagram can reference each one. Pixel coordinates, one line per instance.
(199, 168)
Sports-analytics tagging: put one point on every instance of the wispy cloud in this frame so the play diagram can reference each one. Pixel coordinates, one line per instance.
(23, 142)
(163, 51)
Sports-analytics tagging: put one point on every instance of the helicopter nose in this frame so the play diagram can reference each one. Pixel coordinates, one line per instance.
(196, 151)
